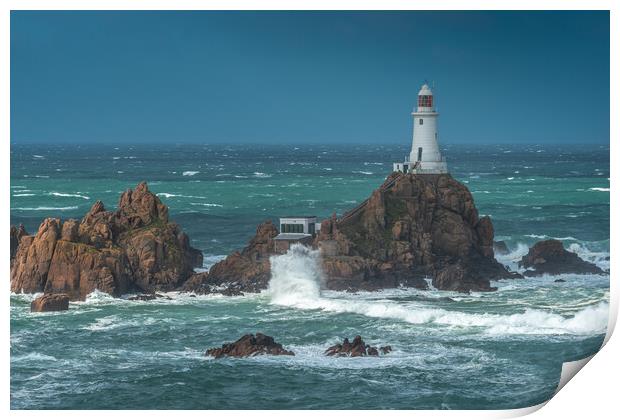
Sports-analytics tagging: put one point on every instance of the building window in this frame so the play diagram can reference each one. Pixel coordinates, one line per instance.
(421, 121)
(292, 228)
(419, 154)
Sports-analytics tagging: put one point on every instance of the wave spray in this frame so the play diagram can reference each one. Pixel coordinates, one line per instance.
(296, 282)
(295, 277)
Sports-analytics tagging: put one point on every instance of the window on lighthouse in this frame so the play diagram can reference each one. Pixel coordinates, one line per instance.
(421, 121)
(425, 101)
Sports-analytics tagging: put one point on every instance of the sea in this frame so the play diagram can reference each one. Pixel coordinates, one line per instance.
(494, 350)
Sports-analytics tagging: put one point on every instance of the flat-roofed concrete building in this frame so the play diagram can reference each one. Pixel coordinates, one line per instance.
(295, 229)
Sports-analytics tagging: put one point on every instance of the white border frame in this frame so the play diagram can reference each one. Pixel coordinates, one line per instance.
(593, 394)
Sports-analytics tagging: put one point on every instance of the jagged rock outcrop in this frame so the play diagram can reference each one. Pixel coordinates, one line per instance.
(355, 348)
(17, 233)
(421, 226)
(411, 228)
(245, 271)
(250, 345)
(135, 248)
(50, 302)
(550, 257)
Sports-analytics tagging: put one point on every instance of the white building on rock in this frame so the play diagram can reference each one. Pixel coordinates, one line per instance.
(295, 229)
(425, 157)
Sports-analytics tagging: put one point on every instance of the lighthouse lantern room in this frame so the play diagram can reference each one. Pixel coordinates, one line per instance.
(425, 157)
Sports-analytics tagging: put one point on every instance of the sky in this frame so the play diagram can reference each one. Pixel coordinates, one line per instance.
(307, 77)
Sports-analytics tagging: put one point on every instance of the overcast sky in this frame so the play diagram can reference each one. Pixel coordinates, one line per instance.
(307, 77)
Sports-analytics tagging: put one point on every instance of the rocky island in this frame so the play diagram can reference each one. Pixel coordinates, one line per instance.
(550, 257)
(133, 249)
(411, 228)
(250, 345)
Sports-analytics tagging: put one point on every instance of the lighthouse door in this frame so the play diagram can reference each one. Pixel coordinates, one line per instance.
(419, 153)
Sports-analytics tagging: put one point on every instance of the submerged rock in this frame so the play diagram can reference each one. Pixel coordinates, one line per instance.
(50, 302)
(135, 247)
(550, 257)
(142, 297)
(356, 348)
(385, 349)
(250, 345)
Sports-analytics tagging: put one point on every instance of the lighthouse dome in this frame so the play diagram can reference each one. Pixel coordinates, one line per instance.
(425, 90)
(425, 99)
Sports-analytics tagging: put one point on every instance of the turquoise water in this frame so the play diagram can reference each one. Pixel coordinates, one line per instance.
(484, 350)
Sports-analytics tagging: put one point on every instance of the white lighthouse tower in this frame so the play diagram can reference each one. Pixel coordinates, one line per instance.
(425, 157)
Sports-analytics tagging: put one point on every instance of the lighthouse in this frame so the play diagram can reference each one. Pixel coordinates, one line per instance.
(425, 157)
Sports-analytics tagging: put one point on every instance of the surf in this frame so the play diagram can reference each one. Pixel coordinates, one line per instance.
(297, 278)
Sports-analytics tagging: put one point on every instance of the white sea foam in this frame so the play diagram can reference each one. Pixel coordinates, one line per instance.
(58, 194)
(598, 189)
(514, 256)
(190, 173)
(170, 195)
(559, 238)
(44, 208)
(209, 260)
(600, 258)
(23, 195)
(33, 357)
(97, 297)
(261, 175)
(207, 204)
(363, 172)
(296, 279)
(104, 324)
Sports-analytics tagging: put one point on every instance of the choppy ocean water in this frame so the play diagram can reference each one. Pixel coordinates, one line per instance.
(484, 350)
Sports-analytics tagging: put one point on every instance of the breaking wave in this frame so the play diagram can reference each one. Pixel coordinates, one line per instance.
(170, 195)
(57, 194)
(296, 279)
(44, 208)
